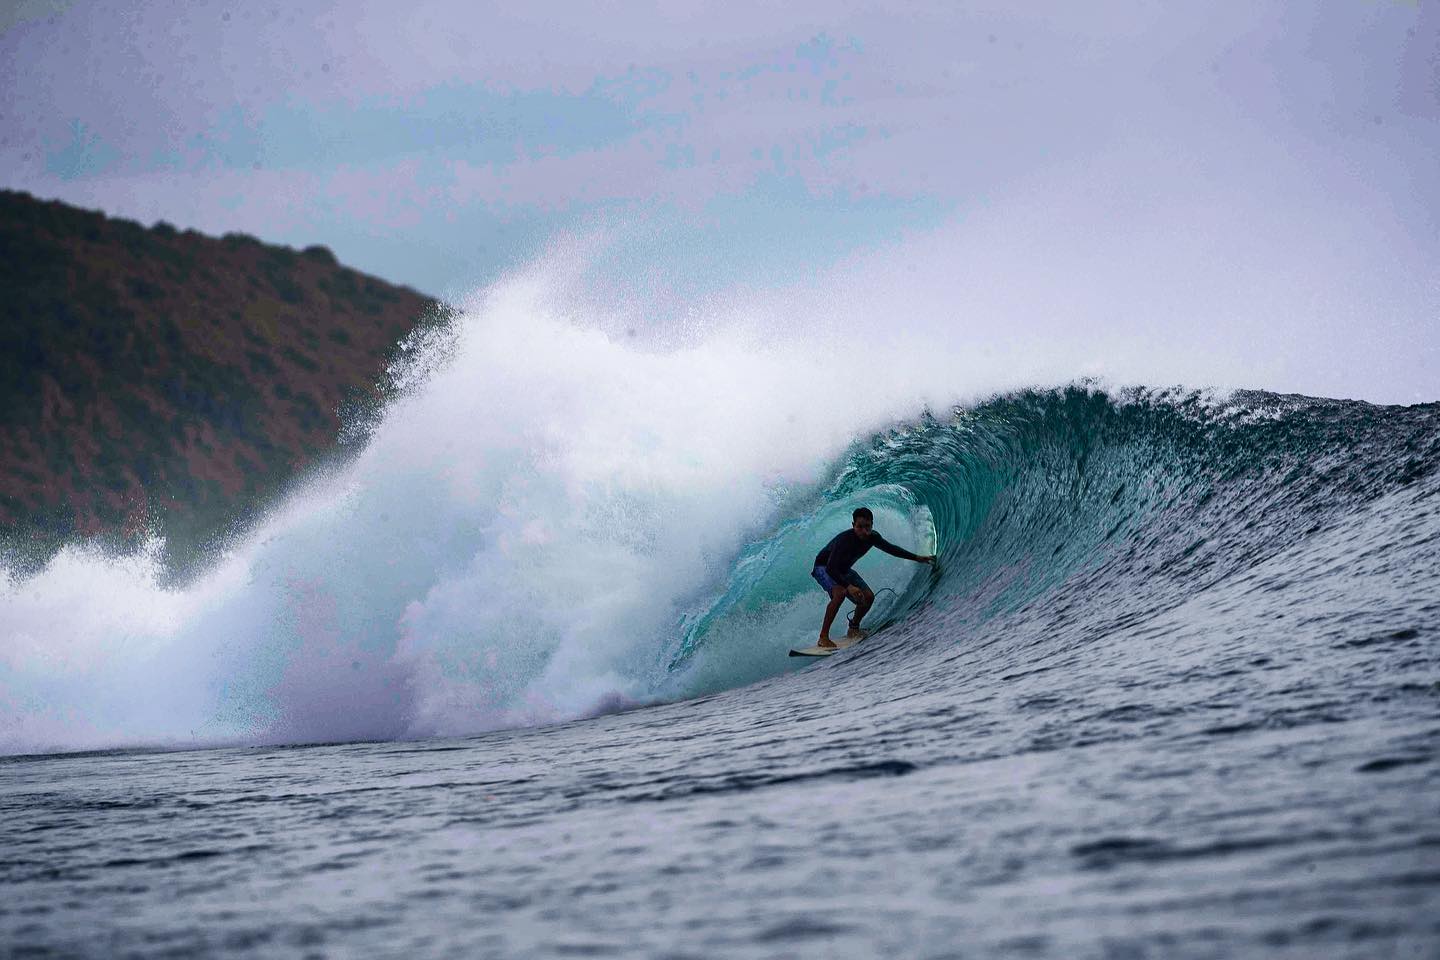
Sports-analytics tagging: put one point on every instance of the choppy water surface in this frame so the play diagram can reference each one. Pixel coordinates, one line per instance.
(1174, 692)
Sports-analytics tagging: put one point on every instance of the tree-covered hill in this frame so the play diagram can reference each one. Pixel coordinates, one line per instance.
(154, 377)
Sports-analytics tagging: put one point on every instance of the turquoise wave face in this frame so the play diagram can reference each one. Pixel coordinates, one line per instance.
(1038, 502)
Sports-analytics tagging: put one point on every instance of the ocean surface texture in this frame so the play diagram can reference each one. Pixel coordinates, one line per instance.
(1173, 691)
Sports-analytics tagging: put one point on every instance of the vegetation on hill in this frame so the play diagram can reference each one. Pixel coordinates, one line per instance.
(159, 379)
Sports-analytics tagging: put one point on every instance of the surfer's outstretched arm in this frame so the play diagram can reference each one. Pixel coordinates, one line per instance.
(887, 547)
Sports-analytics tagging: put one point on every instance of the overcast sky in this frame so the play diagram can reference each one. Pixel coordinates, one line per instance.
(1163, 149)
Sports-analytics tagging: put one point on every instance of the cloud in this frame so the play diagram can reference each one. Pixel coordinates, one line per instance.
(438, 144)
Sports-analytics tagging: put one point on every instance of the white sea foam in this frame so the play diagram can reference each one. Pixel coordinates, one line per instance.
(514, 544)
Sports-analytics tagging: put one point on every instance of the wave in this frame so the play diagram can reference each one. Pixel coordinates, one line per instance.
(558, 519)
(1075, 509)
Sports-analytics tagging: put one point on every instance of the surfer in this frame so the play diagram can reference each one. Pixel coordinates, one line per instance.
(834, 574)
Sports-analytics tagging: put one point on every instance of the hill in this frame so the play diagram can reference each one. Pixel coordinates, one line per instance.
(160, 379)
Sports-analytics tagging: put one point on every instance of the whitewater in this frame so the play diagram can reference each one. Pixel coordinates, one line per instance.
(511, 679)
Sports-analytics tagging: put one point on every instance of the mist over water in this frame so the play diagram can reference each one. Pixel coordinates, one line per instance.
(515, 544)
(561, 493)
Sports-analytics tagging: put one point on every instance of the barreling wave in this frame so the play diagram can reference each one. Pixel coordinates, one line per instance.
(1076, 513)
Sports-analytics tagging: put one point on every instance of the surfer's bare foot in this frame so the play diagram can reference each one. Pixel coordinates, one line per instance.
(825, 642)
(855, 633)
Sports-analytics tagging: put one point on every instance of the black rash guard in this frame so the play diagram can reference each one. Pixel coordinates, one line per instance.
(840, 554)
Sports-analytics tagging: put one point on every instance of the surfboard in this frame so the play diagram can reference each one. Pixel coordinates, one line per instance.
(840, 644)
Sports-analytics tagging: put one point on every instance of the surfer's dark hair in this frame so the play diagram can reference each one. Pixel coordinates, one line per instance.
(862, 513)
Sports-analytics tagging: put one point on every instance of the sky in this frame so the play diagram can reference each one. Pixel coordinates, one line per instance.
(1257, 183)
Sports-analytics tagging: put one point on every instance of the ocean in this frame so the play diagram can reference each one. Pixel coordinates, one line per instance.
(513, 680)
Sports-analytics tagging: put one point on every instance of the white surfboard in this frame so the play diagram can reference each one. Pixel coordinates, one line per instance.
(840, 644)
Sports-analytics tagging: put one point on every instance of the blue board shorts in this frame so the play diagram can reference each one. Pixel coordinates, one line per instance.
(849, 578)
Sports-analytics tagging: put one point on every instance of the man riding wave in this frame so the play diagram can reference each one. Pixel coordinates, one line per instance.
(833, 571)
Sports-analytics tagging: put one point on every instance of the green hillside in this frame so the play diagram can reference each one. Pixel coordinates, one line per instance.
(154, 378)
